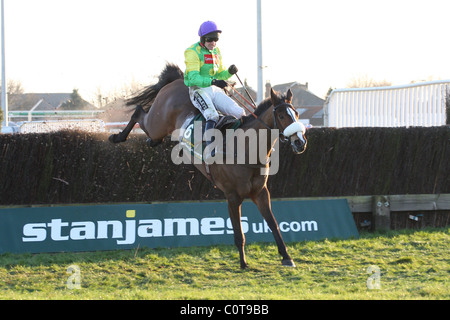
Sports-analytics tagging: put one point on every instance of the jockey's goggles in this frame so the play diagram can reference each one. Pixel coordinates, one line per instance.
(211, 39)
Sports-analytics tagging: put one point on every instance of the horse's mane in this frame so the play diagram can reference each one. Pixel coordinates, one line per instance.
(146, 96)
(260, 109)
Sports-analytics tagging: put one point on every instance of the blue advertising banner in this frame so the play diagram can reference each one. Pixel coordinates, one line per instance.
(127, 226)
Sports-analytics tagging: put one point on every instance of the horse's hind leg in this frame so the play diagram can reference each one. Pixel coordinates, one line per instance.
(137, 117)
(262, 201)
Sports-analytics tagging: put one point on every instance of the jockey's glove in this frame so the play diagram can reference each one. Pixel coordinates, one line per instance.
(232, 69)
(219, 83)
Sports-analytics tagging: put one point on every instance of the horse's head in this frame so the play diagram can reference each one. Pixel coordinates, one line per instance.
(285, 119)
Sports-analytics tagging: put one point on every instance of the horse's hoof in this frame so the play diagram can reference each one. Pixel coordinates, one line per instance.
(244, 266)
(152, 143)
(288, 263)
(112, 138)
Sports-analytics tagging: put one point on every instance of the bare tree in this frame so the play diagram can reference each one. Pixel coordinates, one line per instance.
(123, 92)
(14, 90)
(16, 98)
(365, 82)
(15, 87)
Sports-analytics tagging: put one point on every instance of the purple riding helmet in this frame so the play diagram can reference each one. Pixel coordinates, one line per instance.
(208, 27)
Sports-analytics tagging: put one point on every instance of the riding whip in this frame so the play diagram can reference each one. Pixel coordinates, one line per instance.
(254, 104)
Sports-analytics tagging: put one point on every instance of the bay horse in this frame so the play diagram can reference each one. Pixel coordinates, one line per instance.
(164, 107)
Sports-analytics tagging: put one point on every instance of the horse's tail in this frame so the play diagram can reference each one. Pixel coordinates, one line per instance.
(146, 96)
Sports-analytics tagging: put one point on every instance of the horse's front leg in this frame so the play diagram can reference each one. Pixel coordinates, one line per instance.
(234, 209)
(262, 200)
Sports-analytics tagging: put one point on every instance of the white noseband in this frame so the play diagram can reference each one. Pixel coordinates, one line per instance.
(293, 128)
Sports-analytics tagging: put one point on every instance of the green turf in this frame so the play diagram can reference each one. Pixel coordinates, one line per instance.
(411, 264)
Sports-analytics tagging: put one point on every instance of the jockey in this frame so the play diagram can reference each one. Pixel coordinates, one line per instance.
(205, 76)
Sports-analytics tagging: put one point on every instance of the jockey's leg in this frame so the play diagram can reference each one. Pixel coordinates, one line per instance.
(201, 99)
(225, 104)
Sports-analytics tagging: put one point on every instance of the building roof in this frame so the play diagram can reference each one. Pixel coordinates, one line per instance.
(302, 96)
(50, 101)
(309, 106)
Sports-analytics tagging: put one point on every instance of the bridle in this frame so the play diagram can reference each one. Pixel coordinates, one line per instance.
(288, 106)
(294, 127)
(291, 129)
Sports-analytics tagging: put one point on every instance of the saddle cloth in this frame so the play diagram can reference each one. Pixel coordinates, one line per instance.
(193, 142)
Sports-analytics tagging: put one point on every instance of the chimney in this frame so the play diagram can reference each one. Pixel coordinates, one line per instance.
(268, 87)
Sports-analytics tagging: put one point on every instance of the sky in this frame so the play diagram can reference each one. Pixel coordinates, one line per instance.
(104, 45)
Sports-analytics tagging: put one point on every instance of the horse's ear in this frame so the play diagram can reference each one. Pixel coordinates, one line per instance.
(273, 97)
(289, 96)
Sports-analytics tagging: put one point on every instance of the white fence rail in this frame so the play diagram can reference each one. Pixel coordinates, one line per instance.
(420, 104)
(93, 125)
(30, 114)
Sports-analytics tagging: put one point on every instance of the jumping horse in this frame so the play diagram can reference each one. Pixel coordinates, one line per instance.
(164, 107)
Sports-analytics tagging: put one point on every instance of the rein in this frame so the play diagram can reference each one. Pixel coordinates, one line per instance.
(240, 103)
(253, 104)
(254, 115)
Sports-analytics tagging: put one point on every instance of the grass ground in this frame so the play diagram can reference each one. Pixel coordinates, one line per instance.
(403, 265)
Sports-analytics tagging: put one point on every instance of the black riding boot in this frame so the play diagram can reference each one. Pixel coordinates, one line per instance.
(210, 124)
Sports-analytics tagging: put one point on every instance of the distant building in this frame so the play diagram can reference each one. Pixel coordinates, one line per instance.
(39, 101)
(36, 102)
(308, 105)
